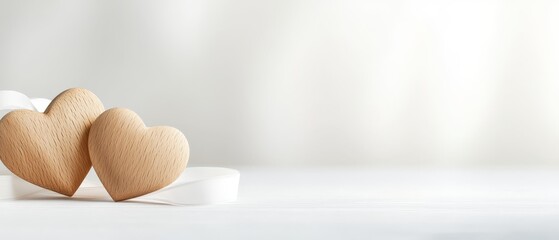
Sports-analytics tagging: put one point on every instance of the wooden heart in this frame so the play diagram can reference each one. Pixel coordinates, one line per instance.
(131, 159)
(50, 149)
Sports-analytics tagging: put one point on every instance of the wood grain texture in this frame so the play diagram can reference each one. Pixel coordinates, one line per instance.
(131, 159)
(50, 149)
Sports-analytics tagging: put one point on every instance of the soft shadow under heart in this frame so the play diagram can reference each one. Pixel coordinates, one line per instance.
(89, 195)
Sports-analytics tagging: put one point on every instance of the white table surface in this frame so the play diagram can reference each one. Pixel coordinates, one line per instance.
(319, 203)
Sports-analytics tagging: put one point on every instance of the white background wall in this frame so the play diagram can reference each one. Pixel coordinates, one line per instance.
(307, 82)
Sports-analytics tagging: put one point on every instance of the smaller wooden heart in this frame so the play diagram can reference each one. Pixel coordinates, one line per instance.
(131, 159)
(50, 149)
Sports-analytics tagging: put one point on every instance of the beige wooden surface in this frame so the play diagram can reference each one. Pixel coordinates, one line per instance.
(132, 160)
(50, 149)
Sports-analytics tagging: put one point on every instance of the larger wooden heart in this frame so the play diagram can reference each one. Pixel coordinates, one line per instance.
(50, 149)
(132, 160)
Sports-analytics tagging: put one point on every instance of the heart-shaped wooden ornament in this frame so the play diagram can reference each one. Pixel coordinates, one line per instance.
(50, 149)
(131, 159)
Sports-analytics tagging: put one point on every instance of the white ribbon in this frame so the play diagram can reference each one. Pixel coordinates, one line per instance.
(196, 185)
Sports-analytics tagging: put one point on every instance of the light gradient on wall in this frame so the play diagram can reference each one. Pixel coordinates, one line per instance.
(307, 82)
